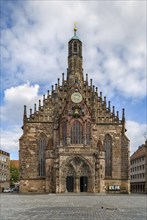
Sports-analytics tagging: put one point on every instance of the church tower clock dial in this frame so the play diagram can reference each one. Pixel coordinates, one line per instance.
(76, 97)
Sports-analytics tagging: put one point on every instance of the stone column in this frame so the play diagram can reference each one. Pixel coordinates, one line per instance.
(68, 134)
(84, 133)
(77, 180)
(68, 140)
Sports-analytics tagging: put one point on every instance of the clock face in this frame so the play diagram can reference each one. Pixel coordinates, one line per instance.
(76, 97)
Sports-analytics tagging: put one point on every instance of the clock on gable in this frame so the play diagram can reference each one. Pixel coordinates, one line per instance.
(76, 97)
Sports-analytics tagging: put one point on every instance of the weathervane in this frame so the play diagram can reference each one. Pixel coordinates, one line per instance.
(75, 28)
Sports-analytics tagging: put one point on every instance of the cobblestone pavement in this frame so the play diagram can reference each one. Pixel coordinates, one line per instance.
(73, 207)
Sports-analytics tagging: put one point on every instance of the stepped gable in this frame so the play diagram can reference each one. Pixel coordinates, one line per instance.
(56, 100)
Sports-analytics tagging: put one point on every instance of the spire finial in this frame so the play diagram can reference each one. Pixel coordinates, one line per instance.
(75, 28)
(25, 112)
(123, 114)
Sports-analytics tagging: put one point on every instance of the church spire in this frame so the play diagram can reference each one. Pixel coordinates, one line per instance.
(75, 70)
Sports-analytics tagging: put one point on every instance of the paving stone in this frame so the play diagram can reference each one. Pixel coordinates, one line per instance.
(73, 207)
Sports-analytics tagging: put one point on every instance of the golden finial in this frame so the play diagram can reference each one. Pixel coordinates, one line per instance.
(75, 28)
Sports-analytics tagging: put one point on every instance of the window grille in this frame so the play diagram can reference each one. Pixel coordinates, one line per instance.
(42, 145)
(76, 133)
(108, 155)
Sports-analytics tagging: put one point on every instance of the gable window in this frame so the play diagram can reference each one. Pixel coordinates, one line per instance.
(42, 145)
(76, 133)
(108, 155)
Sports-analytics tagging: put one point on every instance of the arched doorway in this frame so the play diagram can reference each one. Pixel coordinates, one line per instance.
(70, 184)
(83, 183)
(76, 176)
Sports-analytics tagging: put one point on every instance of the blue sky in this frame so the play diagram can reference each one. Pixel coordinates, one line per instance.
(34, 39)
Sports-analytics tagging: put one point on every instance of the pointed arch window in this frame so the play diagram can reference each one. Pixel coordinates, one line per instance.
(64, 133)
(41, 154)
(88, 133)
(76, 133)
(108, 155)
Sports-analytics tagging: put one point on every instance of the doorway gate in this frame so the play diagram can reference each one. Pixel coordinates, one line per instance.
(83, 184)
(70, 183)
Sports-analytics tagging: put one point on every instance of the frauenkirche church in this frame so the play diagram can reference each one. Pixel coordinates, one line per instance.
(74, 141)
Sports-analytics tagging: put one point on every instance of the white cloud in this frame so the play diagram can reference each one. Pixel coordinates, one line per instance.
(10, 139)
(14, 100)
(35, 35)
(135, 132)
(35, 47)
(12, 114)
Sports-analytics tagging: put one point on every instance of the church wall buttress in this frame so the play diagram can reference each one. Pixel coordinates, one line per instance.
(29, 150)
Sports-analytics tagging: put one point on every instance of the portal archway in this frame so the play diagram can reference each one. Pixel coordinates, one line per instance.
(76, 176)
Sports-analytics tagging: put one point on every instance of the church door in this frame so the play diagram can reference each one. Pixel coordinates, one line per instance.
(83, 183)
(70, 183)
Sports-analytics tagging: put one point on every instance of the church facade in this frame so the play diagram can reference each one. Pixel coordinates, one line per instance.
(74, 141)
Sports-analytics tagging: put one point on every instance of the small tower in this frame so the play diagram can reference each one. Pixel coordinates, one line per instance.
(75, 71)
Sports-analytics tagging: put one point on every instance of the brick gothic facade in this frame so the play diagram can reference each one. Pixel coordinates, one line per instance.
(74, 142)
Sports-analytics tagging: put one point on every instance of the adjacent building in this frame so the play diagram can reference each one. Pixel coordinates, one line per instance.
(75, 141)
(146, 165)
(138, 170)
(14, 163)
(4, 170)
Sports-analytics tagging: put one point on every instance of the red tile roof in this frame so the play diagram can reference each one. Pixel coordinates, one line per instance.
(14, 163)
(139, 153)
